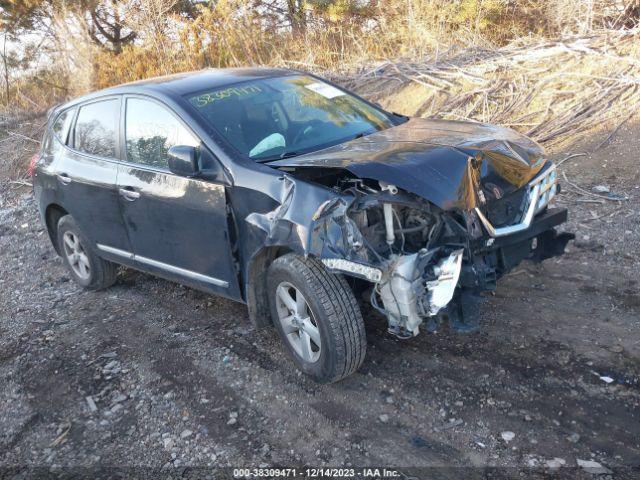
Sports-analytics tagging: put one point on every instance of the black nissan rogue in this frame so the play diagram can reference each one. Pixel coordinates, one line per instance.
(283, 191)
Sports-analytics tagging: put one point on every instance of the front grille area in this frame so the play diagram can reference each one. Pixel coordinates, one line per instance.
(514, 212)
(508, 209)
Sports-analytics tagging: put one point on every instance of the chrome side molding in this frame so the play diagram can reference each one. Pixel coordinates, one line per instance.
(164, 266)
(115, 251)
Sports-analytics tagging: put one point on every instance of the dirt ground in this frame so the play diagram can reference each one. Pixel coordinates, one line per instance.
(178, 379)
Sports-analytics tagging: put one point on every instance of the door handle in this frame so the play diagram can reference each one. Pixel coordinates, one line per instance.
(64, 178)
(128, 194)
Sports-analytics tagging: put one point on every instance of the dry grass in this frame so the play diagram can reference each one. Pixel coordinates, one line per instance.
(228, 33)
(554, 91)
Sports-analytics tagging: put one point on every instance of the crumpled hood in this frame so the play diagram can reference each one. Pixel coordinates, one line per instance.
(445, 162)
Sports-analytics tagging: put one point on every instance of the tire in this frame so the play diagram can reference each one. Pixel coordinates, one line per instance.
(98, 273)
(333, 316)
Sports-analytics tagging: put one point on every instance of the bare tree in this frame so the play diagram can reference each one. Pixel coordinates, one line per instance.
(106, 26)
(6, 74)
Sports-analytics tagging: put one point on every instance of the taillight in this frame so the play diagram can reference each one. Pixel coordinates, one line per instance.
(32, 164)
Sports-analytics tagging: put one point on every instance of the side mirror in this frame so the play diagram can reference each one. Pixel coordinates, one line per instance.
(183, 160)
(211, 168)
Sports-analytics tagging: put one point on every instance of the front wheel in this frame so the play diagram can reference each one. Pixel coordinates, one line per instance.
(317, 317)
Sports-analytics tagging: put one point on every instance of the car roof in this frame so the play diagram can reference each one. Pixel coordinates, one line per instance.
(189, 82)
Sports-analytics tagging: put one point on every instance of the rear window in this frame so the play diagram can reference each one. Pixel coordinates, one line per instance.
(95, 131)
(59, 131)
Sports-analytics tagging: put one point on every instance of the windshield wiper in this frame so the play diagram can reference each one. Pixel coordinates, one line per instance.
(278, 157)
(363, 134)
(400, 116)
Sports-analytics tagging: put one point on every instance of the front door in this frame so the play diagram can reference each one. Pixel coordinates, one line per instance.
(177, 226)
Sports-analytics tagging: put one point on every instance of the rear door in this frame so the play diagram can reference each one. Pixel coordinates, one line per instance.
(177, 225)
(86, 171)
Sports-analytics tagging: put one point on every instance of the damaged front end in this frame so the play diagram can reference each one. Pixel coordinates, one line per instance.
(431, 222)
(410, 250)
(421, 260)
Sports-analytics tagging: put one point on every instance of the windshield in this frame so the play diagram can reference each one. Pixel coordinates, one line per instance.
(285, 116)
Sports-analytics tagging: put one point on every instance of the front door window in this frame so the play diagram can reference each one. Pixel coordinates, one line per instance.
(150, 131)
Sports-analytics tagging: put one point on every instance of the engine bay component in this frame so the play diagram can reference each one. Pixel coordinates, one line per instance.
(416, 287)
(441, 290)
(388, 223)
(399, 292)
(388, 213)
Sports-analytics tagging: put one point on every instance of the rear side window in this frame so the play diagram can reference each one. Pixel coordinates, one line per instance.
(95, 131)
(150, 131)
(61, 125)
(59, 131)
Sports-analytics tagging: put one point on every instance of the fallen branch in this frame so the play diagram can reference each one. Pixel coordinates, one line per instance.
(21, 182)
(615, 130)
(20, 135)
(553, 91)
(586, 192)
(573, 155)
(62, 437)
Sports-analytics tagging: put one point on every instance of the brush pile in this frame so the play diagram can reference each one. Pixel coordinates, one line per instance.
(554, 91)
(19, 139)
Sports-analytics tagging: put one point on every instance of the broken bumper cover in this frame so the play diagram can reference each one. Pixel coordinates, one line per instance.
(497, 256)
(418, 286)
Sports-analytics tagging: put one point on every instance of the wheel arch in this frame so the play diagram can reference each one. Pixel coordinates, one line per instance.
(52, 216)
(255, 285)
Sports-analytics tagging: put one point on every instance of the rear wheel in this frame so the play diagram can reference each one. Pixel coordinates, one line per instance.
(87, 269)
(317, 317)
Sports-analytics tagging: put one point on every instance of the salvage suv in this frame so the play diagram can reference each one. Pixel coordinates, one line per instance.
(283, 191)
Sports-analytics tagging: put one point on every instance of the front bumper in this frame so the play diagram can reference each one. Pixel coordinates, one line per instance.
(546, 220)
(491, 257)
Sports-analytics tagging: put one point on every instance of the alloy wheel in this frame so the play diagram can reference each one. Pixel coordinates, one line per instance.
(298, 322)
(76, 255)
